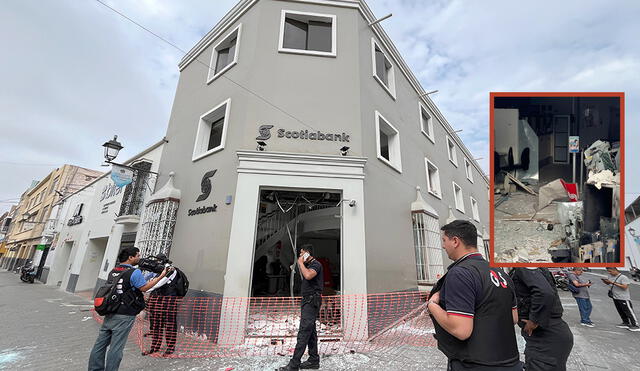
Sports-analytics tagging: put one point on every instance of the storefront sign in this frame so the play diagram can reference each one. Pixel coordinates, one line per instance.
(265, 133)
(41, 247)
(121, 176)
(109, 191)
(202, 210)
(75, 220)
(205, 185)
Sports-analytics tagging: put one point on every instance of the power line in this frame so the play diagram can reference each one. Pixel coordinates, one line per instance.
(412, 186)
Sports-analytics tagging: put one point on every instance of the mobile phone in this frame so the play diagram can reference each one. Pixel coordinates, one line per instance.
(305, 256)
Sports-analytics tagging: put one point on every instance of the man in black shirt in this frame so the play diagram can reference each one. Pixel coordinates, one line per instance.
(310, 289)
(473, 307)
(549, 339)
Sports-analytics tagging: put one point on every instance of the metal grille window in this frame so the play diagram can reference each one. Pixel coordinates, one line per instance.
(158, 224)
(133, 198)
(426, 241)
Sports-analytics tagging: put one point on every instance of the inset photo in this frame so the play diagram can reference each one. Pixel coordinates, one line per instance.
(557, 179)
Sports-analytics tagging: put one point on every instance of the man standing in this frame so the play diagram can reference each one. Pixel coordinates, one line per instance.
(310, 289)
(473, 307)
(549, 339)
(582, 296)
(116, 326)
(621, 296)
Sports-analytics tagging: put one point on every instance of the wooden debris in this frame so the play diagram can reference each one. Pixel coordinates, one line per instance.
(520, 184)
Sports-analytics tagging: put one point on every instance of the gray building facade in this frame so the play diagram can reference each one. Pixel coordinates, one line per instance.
(266, 105)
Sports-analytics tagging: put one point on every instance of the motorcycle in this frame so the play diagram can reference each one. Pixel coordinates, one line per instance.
(28, 273)
(635, 273)
(562, 281)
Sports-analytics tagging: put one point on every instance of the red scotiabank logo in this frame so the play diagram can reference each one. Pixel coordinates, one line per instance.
(498, 279)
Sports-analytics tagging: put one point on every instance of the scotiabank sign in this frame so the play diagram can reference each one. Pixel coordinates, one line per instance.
(265, 133)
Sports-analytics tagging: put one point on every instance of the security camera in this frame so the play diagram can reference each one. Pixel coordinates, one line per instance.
(352, 203)
(261, 145)
(344, 150)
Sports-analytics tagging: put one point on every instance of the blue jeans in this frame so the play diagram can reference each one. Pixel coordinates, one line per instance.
(584, 305)
(113, 333)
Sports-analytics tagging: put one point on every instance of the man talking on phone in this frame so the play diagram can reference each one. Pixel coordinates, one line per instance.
(310, 289)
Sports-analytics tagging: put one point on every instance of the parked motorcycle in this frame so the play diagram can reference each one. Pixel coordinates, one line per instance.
(635, 273)
(562, 281)
(28, 272)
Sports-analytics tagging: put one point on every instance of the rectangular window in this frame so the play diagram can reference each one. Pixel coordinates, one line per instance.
(459, 199)
(428, 249)
(212, 131)
(433, 178)
(383, 71)
(224, 54)
(308, 33)
(388, 143)
(426, 123)
(451, 152)
(468, 169)
(474, 210)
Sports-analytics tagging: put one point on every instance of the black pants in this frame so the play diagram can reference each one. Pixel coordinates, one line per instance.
(625, 310)
(163, 311)
(455, 365)
(307, 334)
(548, 347)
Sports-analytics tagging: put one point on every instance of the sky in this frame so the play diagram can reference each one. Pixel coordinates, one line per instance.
(74, 73)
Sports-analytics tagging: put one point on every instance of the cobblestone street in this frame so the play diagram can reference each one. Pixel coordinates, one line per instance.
(49, 329)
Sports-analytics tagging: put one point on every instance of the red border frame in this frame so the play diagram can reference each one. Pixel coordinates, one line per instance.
(492, 96)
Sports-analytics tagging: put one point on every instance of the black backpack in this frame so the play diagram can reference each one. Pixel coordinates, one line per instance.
(181, 283)
(107, 299)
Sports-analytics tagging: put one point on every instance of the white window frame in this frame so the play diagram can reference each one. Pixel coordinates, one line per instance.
(452, 153)
(468, 170)
(202, 135)
(437, 193)
(474, 209)
(395, 161)
(429, 124)
(211, 75)
(455, 197)
(391, 89)
(334, 32)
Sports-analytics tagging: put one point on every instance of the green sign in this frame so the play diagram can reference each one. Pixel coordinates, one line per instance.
(41, 247)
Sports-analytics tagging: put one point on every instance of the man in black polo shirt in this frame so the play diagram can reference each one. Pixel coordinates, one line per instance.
(310, 290)
(473, 307)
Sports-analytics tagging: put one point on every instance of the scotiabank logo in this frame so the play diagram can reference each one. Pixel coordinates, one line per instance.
(498, 279)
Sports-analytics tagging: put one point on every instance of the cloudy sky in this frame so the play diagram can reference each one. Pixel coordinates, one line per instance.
(73, 73)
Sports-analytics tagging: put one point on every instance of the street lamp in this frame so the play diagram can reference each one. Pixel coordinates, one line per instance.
(111, 149)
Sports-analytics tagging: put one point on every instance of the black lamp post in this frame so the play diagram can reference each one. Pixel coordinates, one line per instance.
(111, 149)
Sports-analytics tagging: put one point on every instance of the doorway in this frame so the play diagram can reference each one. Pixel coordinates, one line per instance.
(91, 264)
(286, 220)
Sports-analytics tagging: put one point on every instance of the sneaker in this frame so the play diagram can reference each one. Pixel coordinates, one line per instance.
(633, 328)
(590, 324)
(623, 325)
(309, 365)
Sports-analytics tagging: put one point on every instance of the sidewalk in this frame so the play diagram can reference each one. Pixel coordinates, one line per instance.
(49, 329)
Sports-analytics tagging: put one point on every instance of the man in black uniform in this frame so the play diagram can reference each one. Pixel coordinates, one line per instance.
(549, 339)
(473, 307)
(310, 290)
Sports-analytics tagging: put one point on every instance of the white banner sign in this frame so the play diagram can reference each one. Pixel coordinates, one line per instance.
(121, 176)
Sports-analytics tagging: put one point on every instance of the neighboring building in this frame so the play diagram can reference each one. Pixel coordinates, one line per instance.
(309, 127)
(632, 235)
(96, 222)
(5, 223)
(30, 239)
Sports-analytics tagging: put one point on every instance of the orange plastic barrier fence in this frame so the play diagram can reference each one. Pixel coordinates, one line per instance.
(262, 326)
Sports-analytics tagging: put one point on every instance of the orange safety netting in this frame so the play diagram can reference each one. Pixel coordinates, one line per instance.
(263, 326)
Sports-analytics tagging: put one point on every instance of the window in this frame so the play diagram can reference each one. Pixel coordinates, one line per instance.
(212, 131)
(468, 170)
(388, 143)
(457, 194)
(428, 249)
(383, 71)
(426, 122)
(433, 178)
(451, 151)
(307, 33)
(224, 54)
(474, 209)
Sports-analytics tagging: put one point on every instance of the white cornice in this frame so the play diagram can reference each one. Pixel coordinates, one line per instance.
(297, 164)
(244, 5)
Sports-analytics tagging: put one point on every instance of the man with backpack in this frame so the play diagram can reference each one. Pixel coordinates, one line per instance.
(163, 309)
(119, 300)
(579, 288)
